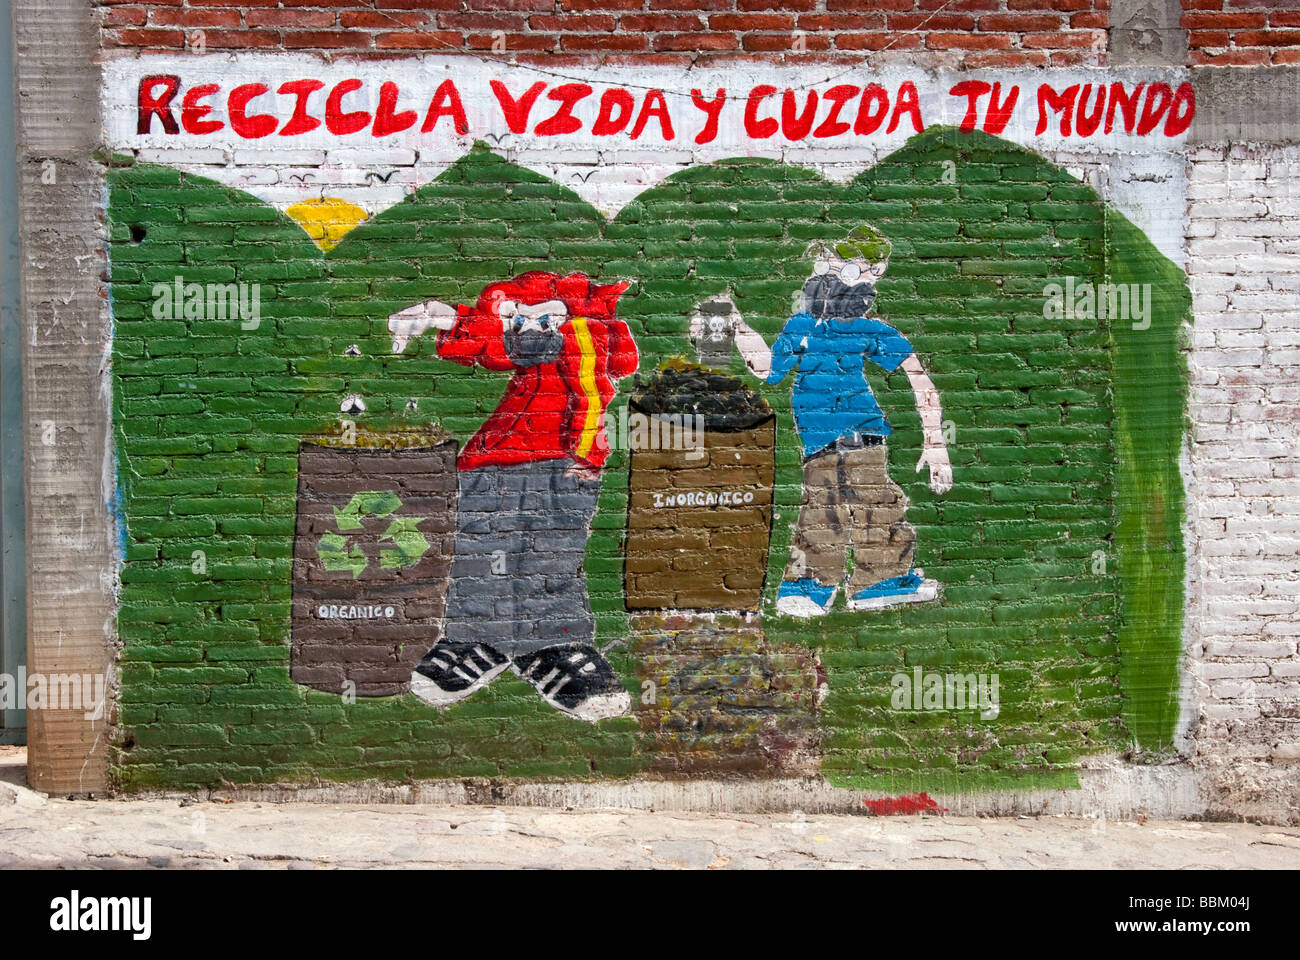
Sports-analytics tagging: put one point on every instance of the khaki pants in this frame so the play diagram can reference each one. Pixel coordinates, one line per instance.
(849, 501)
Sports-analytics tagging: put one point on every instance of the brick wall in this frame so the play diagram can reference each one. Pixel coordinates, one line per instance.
(207, 438)
(974, 33)
(1244, 247)
(1053, 445)
(1231, 33)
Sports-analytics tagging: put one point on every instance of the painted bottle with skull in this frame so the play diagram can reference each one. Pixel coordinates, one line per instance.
(716, 343)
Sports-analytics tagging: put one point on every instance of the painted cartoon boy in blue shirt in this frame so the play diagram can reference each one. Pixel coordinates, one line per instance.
(849, 501)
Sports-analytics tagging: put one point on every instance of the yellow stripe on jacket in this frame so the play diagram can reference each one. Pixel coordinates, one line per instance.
(587, 379)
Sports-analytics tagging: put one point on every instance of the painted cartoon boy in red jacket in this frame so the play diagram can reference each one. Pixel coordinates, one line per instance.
(529, 479)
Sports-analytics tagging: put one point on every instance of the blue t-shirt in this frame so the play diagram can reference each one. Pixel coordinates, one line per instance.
(832, 398)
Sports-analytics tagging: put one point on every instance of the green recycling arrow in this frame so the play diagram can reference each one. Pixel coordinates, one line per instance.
(333, 552)
(379, 503)
(410, 543)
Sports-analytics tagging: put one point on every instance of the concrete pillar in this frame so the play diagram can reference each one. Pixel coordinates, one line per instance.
(70, 475)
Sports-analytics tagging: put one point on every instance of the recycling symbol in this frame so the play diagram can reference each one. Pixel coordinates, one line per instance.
(402, 545)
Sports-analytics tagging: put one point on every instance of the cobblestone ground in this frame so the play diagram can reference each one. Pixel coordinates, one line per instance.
(36, 831)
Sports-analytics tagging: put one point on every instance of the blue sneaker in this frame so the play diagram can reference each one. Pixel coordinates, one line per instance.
(805, 598)
(912, 587)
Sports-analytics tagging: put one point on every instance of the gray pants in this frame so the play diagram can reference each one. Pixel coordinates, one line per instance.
(517, 582)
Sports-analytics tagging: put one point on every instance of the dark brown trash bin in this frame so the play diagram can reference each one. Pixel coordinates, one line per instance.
(699, 519)
(372, 554)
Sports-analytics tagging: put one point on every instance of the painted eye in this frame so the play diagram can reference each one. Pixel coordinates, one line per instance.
(820, 267)
(850, 272)
(518, 321)
(544, 320)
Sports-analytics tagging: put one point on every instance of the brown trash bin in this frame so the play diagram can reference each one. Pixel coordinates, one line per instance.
(699, 519)
(372, 553)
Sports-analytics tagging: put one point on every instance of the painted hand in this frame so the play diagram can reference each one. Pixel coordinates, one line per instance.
(415, 320)
(586, 472)
(935, 456)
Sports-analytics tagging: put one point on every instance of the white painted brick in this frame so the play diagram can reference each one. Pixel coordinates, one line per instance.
(1228, 209)
(1254, 649)
(1230, 711)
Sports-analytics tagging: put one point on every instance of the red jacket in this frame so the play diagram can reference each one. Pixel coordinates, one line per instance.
(550, 411)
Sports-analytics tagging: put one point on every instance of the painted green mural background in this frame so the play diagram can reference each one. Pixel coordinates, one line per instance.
(208, 419)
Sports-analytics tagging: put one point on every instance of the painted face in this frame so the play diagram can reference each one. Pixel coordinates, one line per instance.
(532, 331)
(841, 289)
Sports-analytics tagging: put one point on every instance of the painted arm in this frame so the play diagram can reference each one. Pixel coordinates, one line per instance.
(463, 337)
(414, 321)
(934, 452)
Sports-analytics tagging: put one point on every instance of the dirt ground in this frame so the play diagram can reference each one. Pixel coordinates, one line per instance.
(37, 831)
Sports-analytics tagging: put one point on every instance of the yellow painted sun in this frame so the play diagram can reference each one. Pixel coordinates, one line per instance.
(327, 220)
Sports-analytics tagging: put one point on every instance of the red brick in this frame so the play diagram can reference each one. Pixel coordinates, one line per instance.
(1074, 58)
(841, 21)
(769, 42)
(1096, 21)
(856, 5)
(1064, 41)
(1202, 5)
(514, 41)
(1020, 22)
(587, 24)
(1266, 38)
(612, 41)
(296, 19)
(968, 41)
(957, 5)
(233, 3)
(234, 39)
(1222, 21)
(1232, 58)
(165, 39)
(484, 21)
(695, 41)
(525, 6)
(745, 22)
(933, 23)
(1286, 56)
(655, 22)
(448, 5)
(126, 17)
(371, 19)
(694, 6)
(878, 41)
(1006, 58)
(194, 18)
(1207, 38)
(329, 39)
(422, 40)
(1058, 6)
(152, 3)
(805, 6)
(1284, 18)
(602, 5)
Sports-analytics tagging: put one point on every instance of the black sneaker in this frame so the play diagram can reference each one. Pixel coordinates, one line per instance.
(450, 672)
(575, 679)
